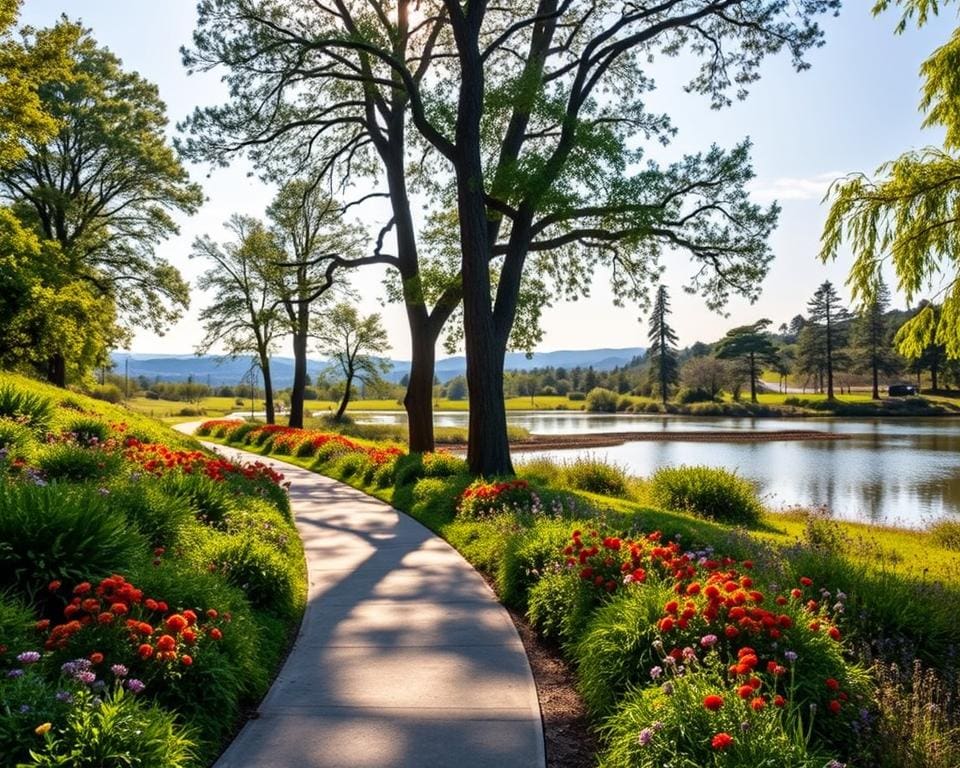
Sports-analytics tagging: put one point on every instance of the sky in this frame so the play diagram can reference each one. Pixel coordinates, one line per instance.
(855, 108)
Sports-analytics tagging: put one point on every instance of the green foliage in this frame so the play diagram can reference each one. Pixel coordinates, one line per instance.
(576, 397)
(946, 533)
(595, 476)
(88, 431)
(118, 731)
(211, 502)
(615, 650)
(664, 371)
(559, 605)
(161, 517)
(707, 492)
(16, 439)
(600, 400)
(29, 408)
(57, 532)
(66, 462)
(25, 703)
(752, 347)
(686, 396)
(352, 464)
(266, 578)
(527, 556)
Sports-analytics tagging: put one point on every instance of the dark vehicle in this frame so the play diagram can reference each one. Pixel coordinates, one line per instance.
(901, 390)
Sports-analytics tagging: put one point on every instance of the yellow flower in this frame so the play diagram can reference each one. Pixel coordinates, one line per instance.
(41, 729)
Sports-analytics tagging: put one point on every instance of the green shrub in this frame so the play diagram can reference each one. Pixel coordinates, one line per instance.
(542, 471)
(115, 730)
(527, 557)
(600, 400)
(16, 442)
(595, 476)
(616, 650)
(559, 605)
(67, 533)
(261, 520)
(946, 533)
(211, 502)
(190, 410)
(687, 395)
(162, 518)
(29, 408)
(408, 469)
(707, 492)
(16, 628)
(238, 433)
(576, 396)
(353, 464)
(437, 495)
(25, 703)
(443, 464)
(67, 462)
(263, 574)
(109, 393)
(88, 431)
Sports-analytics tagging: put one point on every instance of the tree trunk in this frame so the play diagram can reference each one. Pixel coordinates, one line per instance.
(299, 380)
(57, 370)
(753, 379)
(488, 448)
(345, 399)
(418, 401)
(268, 390)
(934, 373)
(876, 378)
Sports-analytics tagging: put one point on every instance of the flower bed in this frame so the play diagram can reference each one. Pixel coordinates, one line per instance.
(118, 624)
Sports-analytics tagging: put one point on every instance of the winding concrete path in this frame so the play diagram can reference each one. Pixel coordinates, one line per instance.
(405, 659)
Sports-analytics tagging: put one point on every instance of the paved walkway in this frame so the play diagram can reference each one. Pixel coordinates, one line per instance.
(405, 659)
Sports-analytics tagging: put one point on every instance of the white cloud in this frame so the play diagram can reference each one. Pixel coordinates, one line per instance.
(790, 188)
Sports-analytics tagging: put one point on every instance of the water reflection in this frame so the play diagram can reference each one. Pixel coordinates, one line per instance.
(904, 471)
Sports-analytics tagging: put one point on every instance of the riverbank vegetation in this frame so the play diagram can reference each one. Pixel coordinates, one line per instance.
(703, 630)
(148, 589)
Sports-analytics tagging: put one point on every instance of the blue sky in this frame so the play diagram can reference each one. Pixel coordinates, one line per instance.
(854, 109)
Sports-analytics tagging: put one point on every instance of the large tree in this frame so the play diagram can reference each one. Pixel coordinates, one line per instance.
(356, 345)
(103, 187)
(872, 339)
(751, 346)
(537, 164)
(829, 322)
(907, 213)
(243, 316)
(315, 239)
(664, 371)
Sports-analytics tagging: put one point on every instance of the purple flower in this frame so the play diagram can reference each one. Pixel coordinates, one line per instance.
(119, 670)
(134, 685)
(15, 673)
(24, 708)
(655, 672)
(86, 677)
(645, 736)
(65, 696)
(689, 653)
(790, 656)
(708, 641)
(75, 667)
(29, 657)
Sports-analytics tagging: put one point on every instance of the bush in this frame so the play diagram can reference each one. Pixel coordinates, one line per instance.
(73, 463)
(68, 534)
(353, 464)
(211, 502)
(257, 569)
(238, 433)
(162, 518)
(89, 431)
(576, 396)
(542, 471)
(116, 730)
(595, 476)
(29, 408)
(16, 441)
(443, 464)
(600, 400)
(707, 492)
(190, 410)
(615, 651)
(686, 395)
(946, 533)
(109, 393)
(27, 701)
(559, 605)
(624, 403)
(527, 556)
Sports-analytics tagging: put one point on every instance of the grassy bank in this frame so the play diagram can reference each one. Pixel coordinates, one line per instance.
(790, 622)
(148, 589)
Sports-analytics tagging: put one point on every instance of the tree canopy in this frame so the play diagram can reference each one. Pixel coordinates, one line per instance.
(907, 213)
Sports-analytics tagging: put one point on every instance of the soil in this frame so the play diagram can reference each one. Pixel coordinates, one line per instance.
(607, 439)
(566, 729)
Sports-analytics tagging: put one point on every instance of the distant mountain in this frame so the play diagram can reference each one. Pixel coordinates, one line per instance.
(216, 371)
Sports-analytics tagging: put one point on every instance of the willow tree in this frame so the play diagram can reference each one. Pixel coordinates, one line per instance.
(243, 315)
(907, 213)
(529, 128)
(103, 186)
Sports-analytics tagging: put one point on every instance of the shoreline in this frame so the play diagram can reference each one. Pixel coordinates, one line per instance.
(609, 439)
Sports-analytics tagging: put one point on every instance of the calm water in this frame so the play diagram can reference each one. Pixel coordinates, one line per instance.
(903, 472)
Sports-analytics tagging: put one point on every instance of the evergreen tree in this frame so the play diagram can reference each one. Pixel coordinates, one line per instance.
(872, 339)
(751, 345)
(664, 370)
(830, 320)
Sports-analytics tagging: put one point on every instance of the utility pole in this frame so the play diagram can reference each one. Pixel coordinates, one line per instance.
(126, 378)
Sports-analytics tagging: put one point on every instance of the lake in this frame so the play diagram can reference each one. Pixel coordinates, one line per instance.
(899, 472)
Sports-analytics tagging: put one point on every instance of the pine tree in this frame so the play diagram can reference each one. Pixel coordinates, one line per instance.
(829, 317)
(664, 370)
(752, 346)
(872, 339)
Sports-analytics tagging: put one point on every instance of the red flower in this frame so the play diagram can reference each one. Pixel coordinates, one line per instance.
(757, 704)
(54, 585)
(216, 634)
(779, 701)
(713, 702)
(96, 657)
(176, 623)
(166, 643)
(834, 706)
(745, 691)
(832, 684)
(806, 581)
(145, 651)
(721, 741)
(186, 660)
(834, 633)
